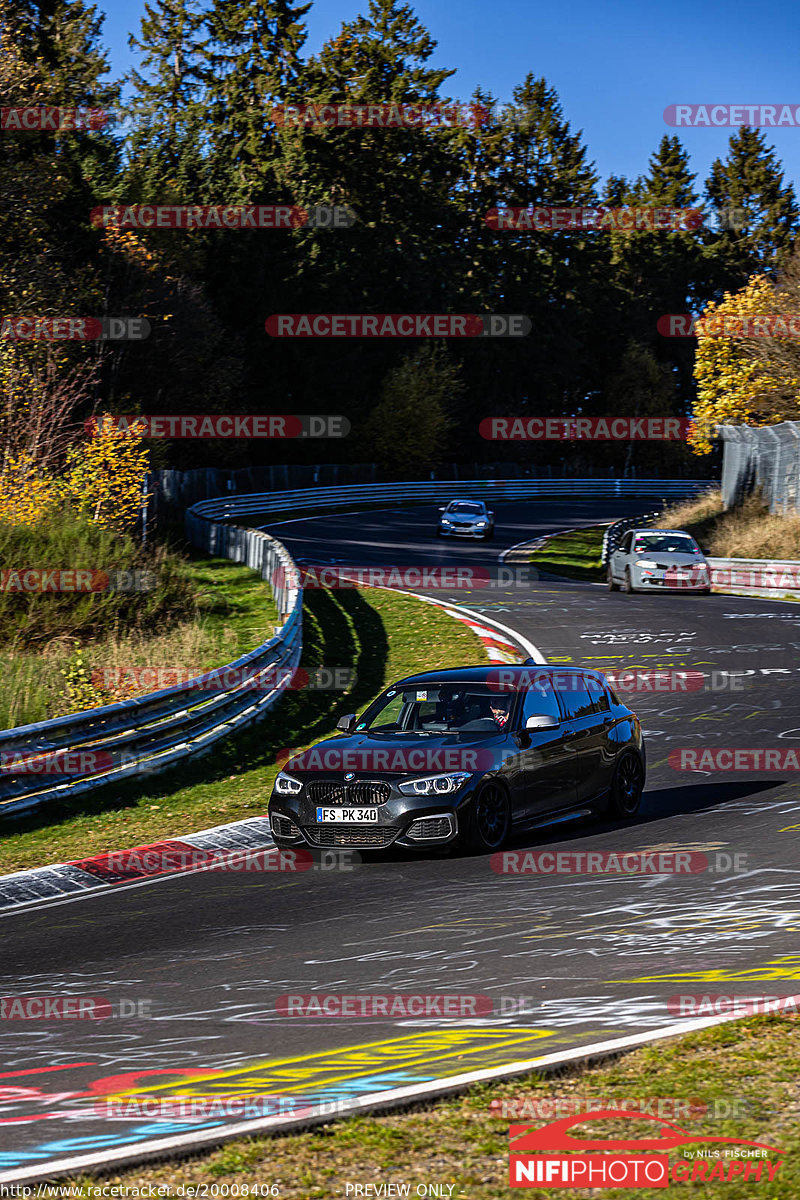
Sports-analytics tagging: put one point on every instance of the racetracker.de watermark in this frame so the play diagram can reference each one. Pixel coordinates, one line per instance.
(71, 1008)
(397, 325)
(734, 758)
(48, 118)
(222, 216)
(622, 680)
(225, 679)
(392, 759)
(168, 859)
(395, 1005)
(74, 579)
(590, 429)
(204, 1108)
(605, 220)
(634, 862)
(730, 325)
(57, 762)
(405, 578)
(74, 329)
(669, 1108)
(381, 115)
(723, 116)
(717, 1004)
(238, 425)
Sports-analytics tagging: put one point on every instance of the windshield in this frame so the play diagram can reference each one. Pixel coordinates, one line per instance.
(469, 708)
(460, 506)
(666, 543)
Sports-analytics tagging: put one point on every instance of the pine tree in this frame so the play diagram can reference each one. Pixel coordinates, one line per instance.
(168, 139)
(750, 185)
(254, 67)
(662, 271)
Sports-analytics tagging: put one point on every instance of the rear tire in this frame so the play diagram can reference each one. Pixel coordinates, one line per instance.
(612, 586)
(627, 786)
(627, 586)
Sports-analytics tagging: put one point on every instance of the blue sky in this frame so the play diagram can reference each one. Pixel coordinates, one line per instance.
(616, 64)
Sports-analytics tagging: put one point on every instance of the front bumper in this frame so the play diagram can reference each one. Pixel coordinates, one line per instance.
(413, 822)
(670, 581)
(464, 531)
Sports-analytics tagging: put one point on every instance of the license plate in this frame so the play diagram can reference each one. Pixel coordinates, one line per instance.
(347, 816)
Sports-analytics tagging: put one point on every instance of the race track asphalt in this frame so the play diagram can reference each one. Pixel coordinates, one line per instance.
(567, 959)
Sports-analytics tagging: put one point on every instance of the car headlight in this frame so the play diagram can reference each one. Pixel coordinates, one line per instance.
(446, 521)
(481, 521)
(434, 785)
(645, 562)
(287, 785)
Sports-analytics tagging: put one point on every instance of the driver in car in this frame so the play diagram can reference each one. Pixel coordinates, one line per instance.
(499, 709)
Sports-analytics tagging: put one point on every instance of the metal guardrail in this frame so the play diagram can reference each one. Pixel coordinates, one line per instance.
(83, 751)
(614, 533)
(271, 503)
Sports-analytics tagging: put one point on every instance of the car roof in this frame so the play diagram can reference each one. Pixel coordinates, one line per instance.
(467, 500)
(682, 532)
(484, 674)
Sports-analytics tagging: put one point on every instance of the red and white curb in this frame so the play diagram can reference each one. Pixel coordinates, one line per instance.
(225, 847)
(498, 646)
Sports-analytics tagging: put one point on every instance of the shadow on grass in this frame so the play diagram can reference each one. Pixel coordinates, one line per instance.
(340, 629)
(572, 555)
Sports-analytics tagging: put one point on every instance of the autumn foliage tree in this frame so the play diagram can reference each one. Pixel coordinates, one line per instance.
(746, 380)
(103, 477)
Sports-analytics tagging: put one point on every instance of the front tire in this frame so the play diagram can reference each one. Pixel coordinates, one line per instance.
(488, 822)
(612, 586)
(627, 586)
(627, 786)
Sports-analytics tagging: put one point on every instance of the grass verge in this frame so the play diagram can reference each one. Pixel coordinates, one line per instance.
(749, 1068)
(380, 636)
(573, 555)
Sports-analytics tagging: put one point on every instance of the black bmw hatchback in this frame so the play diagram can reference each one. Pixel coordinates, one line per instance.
(464, 758)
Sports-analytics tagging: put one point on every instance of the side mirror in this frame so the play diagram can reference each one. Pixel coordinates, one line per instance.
(542, 721)
(347, 723)
(491, 514)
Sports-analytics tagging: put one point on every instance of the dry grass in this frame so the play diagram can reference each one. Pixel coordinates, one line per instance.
(749, 531)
